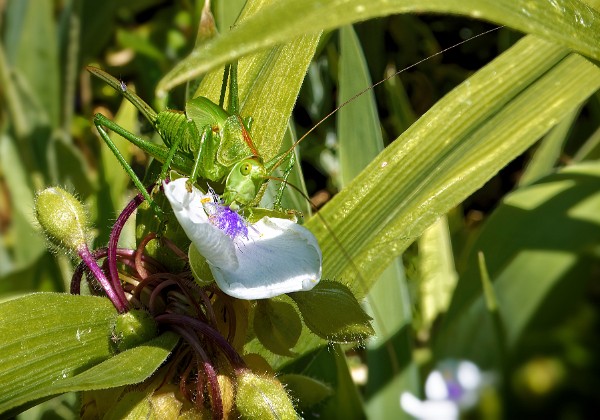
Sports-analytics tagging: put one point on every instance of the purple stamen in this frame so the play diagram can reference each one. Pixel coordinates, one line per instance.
(227, 220)
(206, 330)
(209, 370)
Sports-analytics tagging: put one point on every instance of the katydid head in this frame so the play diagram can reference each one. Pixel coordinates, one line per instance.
(244, 182)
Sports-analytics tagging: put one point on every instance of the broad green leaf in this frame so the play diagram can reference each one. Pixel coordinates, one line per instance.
(359, 132)
(537, 247)
(572, 24)
(226, 12)
(56, 343)
(437, 275)
(306, 390)
(129, 367)
(48, 338)
(277, 325)
(331, 311)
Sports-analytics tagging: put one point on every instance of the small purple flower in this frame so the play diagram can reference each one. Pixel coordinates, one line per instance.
(453, 387)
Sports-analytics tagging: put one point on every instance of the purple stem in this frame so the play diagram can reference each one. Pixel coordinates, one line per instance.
(113, 243)
(90, 261)
(78, 273)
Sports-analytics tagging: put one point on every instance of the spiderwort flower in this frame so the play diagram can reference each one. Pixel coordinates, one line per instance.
(450, 389)
(248, 261)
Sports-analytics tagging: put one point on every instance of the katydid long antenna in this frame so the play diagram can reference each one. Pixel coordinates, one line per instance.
(284, 155)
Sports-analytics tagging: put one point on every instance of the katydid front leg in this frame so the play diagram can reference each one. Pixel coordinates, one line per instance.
(286, 173)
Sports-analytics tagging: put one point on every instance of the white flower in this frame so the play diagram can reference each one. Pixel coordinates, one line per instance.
(248, 261)
(453, 387)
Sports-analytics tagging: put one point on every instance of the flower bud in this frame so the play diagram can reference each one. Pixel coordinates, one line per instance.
(262, 397)
(62, 217)
(133, 328)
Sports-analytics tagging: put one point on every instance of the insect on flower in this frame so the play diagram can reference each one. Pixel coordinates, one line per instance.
(253, 261)
(249, 261)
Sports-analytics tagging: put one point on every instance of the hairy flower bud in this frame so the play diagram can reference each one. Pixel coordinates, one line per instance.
(262, 397)
(62, 217)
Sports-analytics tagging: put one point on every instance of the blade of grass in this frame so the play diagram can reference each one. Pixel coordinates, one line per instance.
(572, 24)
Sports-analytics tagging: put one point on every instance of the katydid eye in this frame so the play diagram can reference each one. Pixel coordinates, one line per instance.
(246, 168)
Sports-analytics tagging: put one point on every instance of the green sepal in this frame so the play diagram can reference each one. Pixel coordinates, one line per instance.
(331, 311)
(305, 390)
(277, 325)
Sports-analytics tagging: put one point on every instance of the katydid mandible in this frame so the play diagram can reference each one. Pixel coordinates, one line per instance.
(205, 141)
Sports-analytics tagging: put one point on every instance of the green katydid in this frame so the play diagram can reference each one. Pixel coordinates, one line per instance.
(205, 141)
(210, 142)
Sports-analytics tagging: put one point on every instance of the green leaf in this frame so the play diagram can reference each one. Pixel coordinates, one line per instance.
(548, 152)
(358, 123)
(48, 338)
(539, 250)
(572, 24)
(56, 343)
(329, 366)
(21, 194)
(129, 367)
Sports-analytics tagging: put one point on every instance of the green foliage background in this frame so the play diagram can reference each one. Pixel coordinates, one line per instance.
(502, 160)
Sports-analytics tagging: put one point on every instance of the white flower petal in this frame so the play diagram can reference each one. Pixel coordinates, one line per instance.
(428, 410)
(468, 374)
(435, 386)
(211, 242)
(279, 256)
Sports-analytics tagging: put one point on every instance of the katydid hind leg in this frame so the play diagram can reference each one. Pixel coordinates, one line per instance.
(100, 122)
